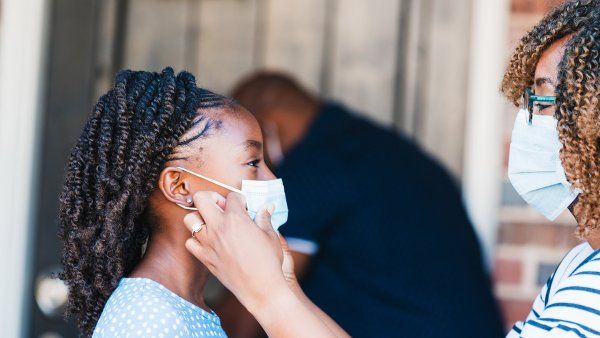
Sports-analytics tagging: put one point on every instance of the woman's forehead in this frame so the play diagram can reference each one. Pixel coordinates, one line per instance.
(546, 71)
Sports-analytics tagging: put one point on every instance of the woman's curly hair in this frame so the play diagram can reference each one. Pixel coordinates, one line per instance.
(130, 135)
(577, 95)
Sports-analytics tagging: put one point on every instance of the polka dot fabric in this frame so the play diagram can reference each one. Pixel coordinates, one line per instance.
(140, 307)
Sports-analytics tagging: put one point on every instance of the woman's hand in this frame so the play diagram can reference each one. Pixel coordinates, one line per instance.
(246, 258)
(255, 264)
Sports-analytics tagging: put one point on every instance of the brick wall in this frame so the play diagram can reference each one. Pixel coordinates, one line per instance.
(529, 247)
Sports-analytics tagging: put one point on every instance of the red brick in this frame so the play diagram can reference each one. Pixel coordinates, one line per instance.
(514, 310)
(507, 271)
(533, 6)
(543, 234)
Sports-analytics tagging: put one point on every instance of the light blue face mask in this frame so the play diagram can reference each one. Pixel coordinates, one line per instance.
(257, 194)
(534, 166)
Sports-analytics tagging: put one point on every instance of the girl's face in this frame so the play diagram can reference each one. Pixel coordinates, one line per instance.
(226, 146)
(231, 152)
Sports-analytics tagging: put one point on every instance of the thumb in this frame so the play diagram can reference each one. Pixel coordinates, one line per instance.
(263, 217)
(283, 242)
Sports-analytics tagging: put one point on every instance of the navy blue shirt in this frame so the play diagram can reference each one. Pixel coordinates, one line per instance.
(397, 256)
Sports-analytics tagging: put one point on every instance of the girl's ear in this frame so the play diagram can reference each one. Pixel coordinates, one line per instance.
(174, 187)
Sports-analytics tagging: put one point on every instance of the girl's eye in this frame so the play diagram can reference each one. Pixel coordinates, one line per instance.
(253, 163)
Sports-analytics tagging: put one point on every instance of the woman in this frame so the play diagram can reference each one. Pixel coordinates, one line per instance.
(152, 143)
(554, 156)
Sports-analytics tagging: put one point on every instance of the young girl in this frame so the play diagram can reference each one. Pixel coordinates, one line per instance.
(153, 142)
(554, 157)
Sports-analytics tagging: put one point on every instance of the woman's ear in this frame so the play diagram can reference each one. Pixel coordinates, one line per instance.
(174, 187)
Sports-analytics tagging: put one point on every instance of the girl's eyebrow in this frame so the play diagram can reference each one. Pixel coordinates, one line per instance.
(252, 144)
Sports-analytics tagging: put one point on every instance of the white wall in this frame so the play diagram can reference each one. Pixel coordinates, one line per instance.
(22, 27)
(484, 121)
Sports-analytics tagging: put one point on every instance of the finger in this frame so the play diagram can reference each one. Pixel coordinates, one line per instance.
(283, 242)
(222, 202)
(263, 217)
(192, 219)
(207, 204)
(205, 255)
(263, 220)
(236, 203)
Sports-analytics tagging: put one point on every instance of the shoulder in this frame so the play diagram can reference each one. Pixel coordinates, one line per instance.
(578, 254)
(576, 298)
(569, 302)
(582, 275)
(571, 262)
(141, 309)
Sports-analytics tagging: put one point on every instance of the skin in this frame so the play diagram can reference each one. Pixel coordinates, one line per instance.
(253, 263)
(290, 120)
(284, 123)
(292, 125)
(546, 78)
(225, 156)
(247, 258)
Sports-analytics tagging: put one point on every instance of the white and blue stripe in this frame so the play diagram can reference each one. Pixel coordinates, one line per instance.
(569, 304)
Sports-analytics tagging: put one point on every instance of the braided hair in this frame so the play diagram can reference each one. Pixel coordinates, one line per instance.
(577, 95)
(134, 129)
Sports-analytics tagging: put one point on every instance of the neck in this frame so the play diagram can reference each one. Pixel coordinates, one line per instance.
(168, 262)
(593, 238)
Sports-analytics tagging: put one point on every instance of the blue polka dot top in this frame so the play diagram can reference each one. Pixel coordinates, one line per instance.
(140, 307)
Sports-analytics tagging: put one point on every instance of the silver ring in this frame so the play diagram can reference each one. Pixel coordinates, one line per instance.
(196, 228)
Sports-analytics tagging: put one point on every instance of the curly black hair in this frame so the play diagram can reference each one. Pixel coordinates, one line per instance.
(134, 129)
(577, 95)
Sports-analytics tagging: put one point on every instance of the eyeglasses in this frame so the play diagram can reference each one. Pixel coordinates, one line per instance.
(529, 99)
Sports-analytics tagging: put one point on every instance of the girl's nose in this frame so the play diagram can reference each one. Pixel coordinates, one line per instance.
(266, 174)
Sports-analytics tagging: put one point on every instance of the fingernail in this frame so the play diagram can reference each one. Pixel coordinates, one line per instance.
(271, 208)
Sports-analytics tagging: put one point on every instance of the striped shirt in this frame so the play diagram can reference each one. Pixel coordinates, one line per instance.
(569, 304)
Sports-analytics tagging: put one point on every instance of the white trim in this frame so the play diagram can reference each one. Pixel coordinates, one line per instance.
(302, 245)
(484, 122)
(22, 36)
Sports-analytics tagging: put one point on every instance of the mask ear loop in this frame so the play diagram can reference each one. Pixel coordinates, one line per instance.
(222, 185)
(186, 207)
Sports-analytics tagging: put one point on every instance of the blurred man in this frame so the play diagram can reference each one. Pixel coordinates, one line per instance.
(380, 238)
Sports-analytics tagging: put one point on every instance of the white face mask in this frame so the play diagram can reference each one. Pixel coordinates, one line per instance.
(534, 166)
(258, 194)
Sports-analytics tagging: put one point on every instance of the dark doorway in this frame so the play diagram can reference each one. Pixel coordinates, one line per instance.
(73, 73)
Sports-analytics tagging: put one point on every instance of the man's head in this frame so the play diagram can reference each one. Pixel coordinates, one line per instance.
(283, 108)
